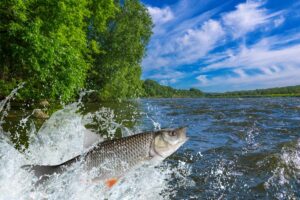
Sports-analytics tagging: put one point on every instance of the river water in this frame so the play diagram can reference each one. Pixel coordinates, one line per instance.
(238, 149)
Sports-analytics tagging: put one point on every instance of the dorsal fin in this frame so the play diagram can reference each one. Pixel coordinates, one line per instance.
(91, 138)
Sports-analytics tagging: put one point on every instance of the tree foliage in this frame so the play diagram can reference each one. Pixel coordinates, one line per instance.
(53, 46)
(43, 43)
(154, 89)
(117, 70)
(271, 92)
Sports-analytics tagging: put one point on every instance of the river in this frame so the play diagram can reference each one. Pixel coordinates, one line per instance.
(238, 149)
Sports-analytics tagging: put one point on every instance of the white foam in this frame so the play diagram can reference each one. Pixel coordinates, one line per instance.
(286, 172)
(61, 138)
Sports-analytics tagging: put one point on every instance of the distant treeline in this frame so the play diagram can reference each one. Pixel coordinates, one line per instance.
(154, 89)
(271, 92)
(58, 47)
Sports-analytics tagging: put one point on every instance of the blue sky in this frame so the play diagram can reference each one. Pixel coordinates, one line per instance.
(228, 45)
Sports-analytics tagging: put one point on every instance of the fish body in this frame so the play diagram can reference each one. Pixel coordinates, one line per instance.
(115, 157)
(112, 158)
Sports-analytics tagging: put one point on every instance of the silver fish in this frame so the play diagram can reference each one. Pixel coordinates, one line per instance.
(113, 158)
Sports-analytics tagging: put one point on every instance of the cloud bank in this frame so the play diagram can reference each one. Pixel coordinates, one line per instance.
(222, 49)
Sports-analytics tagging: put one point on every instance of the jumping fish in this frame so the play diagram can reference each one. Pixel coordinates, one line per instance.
(113, 158)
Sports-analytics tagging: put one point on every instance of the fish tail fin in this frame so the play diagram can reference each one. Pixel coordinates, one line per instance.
(42, 172)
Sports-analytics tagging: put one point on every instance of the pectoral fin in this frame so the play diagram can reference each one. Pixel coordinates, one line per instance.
(111, 182)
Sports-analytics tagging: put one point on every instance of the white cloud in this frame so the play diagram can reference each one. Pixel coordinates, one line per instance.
(163, 82)
(273, 66)
(280, 77)
(189, 47)
(240, 72)
(180, 26)
(279, 21)
(164, 49)
(167, 81)
(259, 57)
(168, 75)
(202, 78)
(198, 42)
(160, 15)
(247, 17)
(190, 38)
(270, 70)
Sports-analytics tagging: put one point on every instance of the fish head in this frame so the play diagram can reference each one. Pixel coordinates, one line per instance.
(167, 141)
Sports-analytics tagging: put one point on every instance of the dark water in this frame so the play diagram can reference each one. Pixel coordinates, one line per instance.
(238, 148)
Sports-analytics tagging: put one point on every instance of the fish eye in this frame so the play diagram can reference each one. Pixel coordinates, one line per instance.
(172, 133)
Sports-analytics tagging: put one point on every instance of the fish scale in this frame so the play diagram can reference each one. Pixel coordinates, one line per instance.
(133, 150)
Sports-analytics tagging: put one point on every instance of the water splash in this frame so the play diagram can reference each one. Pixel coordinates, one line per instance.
(5, 105)
(61, 138)
(284, 182)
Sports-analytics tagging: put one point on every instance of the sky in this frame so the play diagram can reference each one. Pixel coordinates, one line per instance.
(218, 46)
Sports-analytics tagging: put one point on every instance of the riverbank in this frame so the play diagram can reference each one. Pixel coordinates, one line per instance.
(154, 89)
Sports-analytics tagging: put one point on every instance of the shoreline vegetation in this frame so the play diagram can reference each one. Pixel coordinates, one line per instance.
(289, 91)
(154, 90)
(59, 47)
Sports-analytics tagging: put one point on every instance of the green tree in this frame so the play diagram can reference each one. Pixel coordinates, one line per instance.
(154, 89)
(117, 70)
(45, 44)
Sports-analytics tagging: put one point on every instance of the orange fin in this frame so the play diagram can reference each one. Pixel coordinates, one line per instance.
(111, 182)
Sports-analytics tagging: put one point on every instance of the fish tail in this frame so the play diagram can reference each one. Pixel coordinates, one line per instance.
(42, 172)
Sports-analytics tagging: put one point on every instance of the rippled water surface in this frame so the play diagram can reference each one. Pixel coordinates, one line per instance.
(238, 149)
